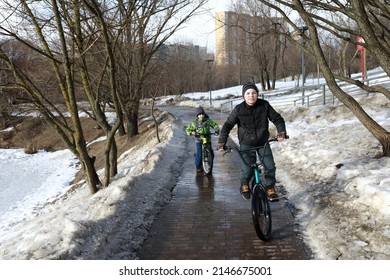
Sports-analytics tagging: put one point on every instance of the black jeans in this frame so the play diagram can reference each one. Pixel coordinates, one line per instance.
(268, 161)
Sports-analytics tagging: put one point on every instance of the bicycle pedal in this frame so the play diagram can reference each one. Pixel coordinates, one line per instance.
(273, 199)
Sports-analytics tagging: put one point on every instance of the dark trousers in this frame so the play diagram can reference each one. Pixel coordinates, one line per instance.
(269, 164)
(198, 155)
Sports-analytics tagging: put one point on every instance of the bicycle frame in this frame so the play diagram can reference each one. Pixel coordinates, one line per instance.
(258, 167)
(261, 210)
(203, 137)
(207, 153)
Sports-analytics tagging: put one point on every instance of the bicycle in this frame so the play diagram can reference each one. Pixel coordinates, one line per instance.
(207, 153)
(261, 210)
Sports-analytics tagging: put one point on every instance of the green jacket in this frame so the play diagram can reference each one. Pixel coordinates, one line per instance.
(202, 127)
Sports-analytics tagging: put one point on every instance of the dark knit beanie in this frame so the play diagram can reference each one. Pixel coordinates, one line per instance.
(199, 111)
(248, 86)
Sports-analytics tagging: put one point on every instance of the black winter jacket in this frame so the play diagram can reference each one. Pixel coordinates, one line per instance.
(252, 122)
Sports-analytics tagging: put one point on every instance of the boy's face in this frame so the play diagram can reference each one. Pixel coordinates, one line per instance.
(201, 116)
(250, 96)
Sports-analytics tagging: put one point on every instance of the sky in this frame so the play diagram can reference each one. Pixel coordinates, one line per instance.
(328, 167)
(200, 29)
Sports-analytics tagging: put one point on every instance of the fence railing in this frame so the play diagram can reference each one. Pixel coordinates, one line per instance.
(319, 94)
(325, 95)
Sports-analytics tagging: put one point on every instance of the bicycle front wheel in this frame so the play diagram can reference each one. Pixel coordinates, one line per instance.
(207, 160)
(261, 213)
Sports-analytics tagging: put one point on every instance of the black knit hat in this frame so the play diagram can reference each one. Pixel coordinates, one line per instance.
(199, 111)
(248, 86)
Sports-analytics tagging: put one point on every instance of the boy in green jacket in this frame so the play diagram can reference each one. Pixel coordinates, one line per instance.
(201, 126)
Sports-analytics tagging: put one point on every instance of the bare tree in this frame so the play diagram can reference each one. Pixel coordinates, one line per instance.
(150, 24)
(260, 40)
(371, 21)
(185, 70)
(50, 42)
(100, 51)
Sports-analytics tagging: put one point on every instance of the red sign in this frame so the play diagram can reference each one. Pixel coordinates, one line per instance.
(360, 39)
(360, 48)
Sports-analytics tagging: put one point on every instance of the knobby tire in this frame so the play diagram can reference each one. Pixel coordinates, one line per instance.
(207, 160)
(261, 213)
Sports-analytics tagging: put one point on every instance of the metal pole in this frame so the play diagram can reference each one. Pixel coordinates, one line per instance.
(210, 87)
(318, 74)
(303, 75)
(209, 62)
(363, 63)
(323, 93)
(365, 66)
(303, 29)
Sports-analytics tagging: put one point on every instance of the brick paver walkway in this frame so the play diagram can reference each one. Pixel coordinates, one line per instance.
(208, 219)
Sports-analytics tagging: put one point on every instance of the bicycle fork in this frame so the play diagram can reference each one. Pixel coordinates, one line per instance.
(258, 171)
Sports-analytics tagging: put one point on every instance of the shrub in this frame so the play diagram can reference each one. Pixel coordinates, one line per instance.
(30, 148)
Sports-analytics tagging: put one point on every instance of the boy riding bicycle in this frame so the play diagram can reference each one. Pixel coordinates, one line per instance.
(252, 117)
(201, 126)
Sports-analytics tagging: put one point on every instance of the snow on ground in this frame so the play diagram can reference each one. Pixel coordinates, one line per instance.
(331, 175)
(26, 182)
(110, 224)
(328, 169)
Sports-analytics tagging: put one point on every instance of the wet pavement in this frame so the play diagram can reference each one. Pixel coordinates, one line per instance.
(207, 219)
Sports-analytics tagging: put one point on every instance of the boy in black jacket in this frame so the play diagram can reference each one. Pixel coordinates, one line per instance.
(252, 117)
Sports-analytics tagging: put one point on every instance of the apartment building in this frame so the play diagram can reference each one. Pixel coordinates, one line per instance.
(235, 34)
(232, 39)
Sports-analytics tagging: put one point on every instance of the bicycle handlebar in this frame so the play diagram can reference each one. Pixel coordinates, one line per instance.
(199, 135)
(274, 139)
(230, 148)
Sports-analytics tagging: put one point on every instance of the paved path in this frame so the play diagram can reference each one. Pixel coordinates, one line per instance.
(207, 219)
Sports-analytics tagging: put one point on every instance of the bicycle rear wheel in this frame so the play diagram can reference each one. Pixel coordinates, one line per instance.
(207, 160)
(261, 213)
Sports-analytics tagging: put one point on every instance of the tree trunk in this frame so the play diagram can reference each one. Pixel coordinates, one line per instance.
(386, 145)
(132, 118)
(110, 159)
(155, 122)
(88, 165)
(132, 124)
(122, 130)
(372, 126)
(113, 159)
(381, 134)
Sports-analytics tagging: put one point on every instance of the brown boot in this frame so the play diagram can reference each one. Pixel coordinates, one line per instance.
(272, 195)
(245, 191)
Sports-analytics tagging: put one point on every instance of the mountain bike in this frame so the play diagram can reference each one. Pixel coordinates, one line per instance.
(207, 153)
(261, 210)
